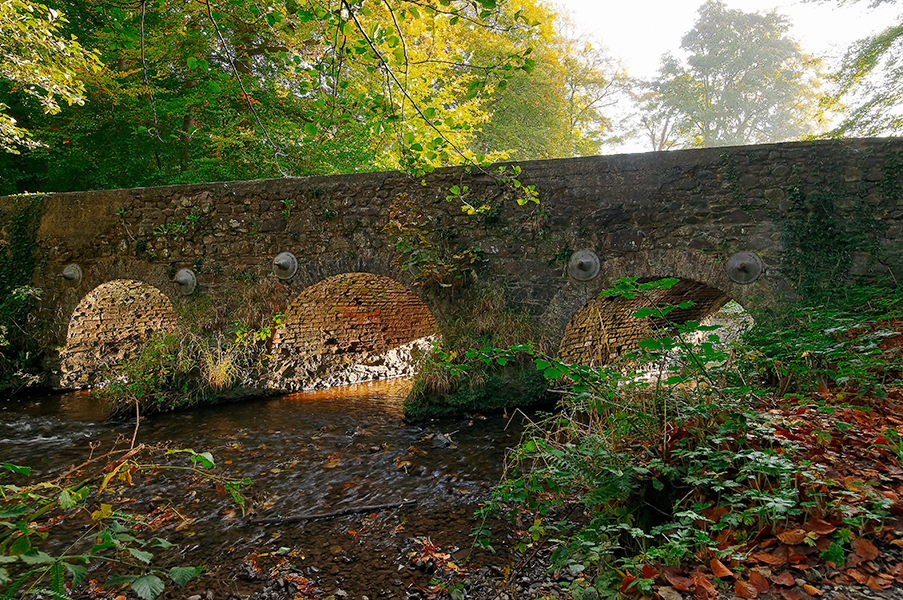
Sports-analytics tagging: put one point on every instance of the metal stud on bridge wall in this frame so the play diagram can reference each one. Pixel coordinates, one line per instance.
(584, 265)
(72, 275)
(744, 267)
(285, 265)
(186, 281)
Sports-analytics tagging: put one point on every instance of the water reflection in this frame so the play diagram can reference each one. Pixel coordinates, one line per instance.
(312, 450)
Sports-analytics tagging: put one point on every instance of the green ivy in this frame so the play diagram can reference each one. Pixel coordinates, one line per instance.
(819, 245)
(19, 354)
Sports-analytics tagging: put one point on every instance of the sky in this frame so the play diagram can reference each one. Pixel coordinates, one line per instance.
(638, 32)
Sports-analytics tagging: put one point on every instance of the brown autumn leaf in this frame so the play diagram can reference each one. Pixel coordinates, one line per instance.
(702, 582)
(649, 572)
(821, 527)
(865, 549)
(812, 590)
(669, 593)
(758, 580)
(857, 575)
(744, 589)
(877, 585)
(790, 595)
(897, 543)
(768, 559)
(719, 570)
(627, 582)
(793, 537)
(678, 582)
(785, 579)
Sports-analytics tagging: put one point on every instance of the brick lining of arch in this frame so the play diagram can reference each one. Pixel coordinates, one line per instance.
(108, 327)
(345, 320)
(604, 328)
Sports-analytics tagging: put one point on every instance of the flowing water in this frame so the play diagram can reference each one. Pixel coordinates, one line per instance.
(316, 452)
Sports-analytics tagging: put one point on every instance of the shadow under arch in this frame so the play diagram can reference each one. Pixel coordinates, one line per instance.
(108, 327)
(348, 328)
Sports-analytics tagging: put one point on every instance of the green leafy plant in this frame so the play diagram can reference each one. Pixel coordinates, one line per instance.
(662, 452)
(287, 207)
(185, 367)
(90, 494)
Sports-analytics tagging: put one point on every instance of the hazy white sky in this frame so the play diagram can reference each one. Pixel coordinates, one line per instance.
(640, 31)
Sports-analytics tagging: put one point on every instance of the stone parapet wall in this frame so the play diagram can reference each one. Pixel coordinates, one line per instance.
(825, 211)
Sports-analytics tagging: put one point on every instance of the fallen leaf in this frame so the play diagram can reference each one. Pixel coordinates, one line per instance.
(768, 559)
(812, 590)
(669, 593)
(790, 595)
(784, 578)
(649, 572)
(719, 570)
(701, 582)
(865, 549)
(857, 575)
(793, 537)
(627, 582)
(821, 527)
(877, 585)
(744, 589)
(678, 582)
(758, 580)
(897, 543)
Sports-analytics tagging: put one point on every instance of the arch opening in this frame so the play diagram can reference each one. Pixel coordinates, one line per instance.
(108, 327)
(347, 329)
(604, 328)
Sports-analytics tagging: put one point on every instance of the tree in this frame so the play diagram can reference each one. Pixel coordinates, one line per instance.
(744, 81)
(868, 85)
(558, 110)
(38, 62)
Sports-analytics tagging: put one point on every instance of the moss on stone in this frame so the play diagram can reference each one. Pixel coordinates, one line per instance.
(512, 387)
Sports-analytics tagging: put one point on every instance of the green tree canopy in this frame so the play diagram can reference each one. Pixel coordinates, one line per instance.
(560, 109)
(744, 81)
(237, 89)
(38, 62)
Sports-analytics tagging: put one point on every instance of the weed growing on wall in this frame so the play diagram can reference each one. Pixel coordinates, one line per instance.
(431, 261)
(678, 474)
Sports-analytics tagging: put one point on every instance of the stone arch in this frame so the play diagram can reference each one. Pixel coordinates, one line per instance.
(349, 328)
(699, 273)
(605, 328)
(108, 327)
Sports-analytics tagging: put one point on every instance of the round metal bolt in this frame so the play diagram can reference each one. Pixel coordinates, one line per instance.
(744, 267)
(186, 281)
(72, 275)
(583, 265)
(285, 265)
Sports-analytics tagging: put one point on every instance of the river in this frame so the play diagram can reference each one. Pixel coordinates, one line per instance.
(314, 452)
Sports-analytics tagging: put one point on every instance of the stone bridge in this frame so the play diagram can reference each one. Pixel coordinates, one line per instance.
(377, 260)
